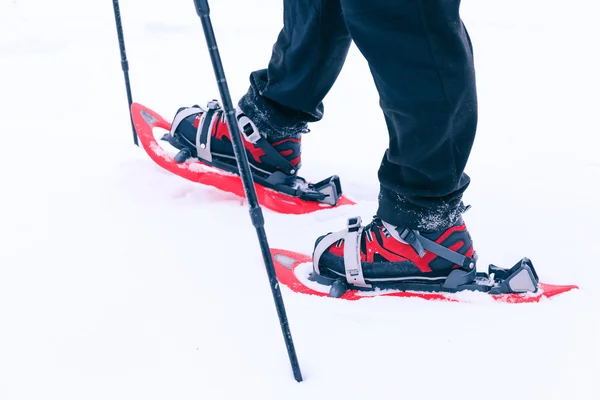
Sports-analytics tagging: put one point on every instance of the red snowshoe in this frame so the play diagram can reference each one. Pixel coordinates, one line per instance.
(382, 260)
(206, 156)
(295, 271)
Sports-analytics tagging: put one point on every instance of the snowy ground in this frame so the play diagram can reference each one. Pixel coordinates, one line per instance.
(120, 281)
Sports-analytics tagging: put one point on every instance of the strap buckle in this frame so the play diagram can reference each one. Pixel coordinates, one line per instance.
(352, 261)
(407, 235)
(354, 224)
(410, 237)
(213, 105)
(249, 130)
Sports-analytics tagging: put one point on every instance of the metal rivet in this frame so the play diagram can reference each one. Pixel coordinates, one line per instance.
(203, 146)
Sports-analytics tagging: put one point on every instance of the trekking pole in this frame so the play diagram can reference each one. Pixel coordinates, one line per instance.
(124, 63)
(242, 160)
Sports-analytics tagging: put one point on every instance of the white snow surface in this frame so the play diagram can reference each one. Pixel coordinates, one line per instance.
(119, 280)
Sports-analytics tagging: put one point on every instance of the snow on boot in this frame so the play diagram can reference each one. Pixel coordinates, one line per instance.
(381, 255)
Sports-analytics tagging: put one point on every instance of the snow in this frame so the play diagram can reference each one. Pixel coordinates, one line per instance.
(121, 281)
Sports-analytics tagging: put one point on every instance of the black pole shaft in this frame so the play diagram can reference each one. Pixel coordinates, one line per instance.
(242, 160)
(124, 63)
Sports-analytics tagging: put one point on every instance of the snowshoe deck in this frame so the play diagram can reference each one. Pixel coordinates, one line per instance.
(294, 271)
(145, 120)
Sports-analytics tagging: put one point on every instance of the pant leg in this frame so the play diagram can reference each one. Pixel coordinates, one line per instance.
(421, 60)
(306, 60)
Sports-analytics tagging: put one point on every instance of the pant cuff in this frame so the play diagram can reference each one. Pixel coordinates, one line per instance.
(273, 121)
(438, 215)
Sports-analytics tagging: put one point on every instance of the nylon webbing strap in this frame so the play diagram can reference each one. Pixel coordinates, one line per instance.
(277, 158)
(203, 135)
(252, 135)
(352, 264)
(420, 244)
(323, 245)
(183, 115)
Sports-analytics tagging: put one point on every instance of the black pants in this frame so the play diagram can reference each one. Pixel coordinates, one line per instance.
(421, 60)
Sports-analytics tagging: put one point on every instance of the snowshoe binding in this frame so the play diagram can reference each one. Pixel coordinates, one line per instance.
(203, 133)
(381, 256)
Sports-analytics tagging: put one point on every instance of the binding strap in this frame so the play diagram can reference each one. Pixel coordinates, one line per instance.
(252, 135)
(420, 244)
(275, 157)
(183, 115)
(352, 263)
(203, 136)
(325, 243)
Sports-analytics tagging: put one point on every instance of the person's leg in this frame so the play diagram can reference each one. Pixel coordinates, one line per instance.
(421, 59)
(306, 60)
